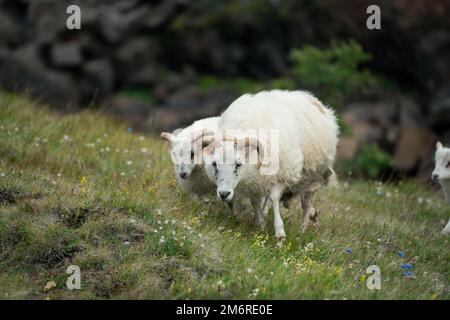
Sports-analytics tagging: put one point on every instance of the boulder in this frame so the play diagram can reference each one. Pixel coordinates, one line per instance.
(189, 104)
(46, 19)
(439, 109)
(98, 79)
(66, 54)
(115, 25)
(128, 109)
(22, 71)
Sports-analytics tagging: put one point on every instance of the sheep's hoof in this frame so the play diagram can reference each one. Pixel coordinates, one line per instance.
(280, 241)
(314, 217)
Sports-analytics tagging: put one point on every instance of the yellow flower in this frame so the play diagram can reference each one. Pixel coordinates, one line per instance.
(362, 278)
(434, 296)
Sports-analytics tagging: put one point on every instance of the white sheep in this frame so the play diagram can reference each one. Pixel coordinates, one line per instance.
(441, 173)
(186, 152)
(307, 139)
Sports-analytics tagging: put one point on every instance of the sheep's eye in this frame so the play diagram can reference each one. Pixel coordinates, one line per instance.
(214, 164)
(238, 165)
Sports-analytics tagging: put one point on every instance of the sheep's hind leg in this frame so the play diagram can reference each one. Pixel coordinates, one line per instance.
(309, 213)
(275, 196)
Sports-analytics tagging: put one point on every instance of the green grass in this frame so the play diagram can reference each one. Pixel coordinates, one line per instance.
(135, 235)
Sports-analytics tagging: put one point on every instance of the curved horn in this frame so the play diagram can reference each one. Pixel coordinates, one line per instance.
(207, 136)
(254, 143)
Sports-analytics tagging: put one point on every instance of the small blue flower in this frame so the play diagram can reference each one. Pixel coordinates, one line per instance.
(406, 266)
(408, 274)
(349, 250)
(400, 253)
(130, 129)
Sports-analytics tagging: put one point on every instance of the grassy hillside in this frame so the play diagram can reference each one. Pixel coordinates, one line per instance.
(83, 190)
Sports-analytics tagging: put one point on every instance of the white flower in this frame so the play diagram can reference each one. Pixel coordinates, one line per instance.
(129, 163)
(141, 138)
(250, 270)
(144, 150)
(67, 138)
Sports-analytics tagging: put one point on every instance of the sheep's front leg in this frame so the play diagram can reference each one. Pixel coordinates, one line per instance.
(275, 196)
(259, 205)
(233, 207)
(309, 213)
(446, 230)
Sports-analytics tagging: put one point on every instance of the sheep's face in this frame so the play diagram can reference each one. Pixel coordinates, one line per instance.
(227, 163)
(185, 157)
(442, 170)
(186, 153)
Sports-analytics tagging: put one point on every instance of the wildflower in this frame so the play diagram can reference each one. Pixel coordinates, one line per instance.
(349, 250)
(83, 184)
(406, 266)
(142, 138)
(130, 129)
(254, 293)
(250, 270)
(408, 274)
(220, 285)
(67, 138)
(162, 240)
(144, 150)
(400, 253)
(434, 296)
(129, 163)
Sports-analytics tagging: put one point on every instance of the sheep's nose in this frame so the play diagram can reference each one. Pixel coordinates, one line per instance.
(224, 194)
(183, 175)
(434, 177)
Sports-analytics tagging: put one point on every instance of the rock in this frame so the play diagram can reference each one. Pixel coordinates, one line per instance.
(130, 110)
(22, 71)
(414, 144)
(347, 148)
(47, 19)
(439, 110)
(159, 14)
(50, 285)
(116, 25)
(190, 104)
(98, 79)
(10, 32)
(66, 54)
(136, 62)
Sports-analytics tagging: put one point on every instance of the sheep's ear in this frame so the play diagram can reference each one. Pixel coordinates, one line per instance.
(439, 145)
(168, 136)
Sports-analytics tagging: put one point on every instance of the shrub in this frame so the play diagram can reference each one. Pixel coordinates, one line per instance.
(371, 161)
(333, 72)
